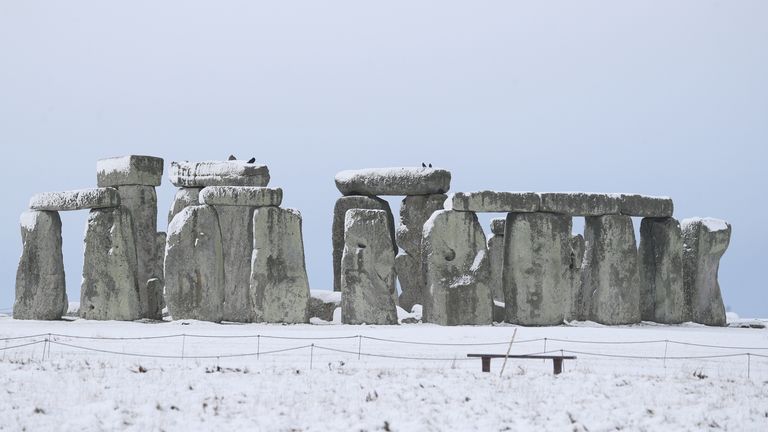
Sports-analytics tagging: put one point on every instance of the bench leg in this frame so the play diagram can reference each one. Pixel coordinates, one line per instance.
(558, 365)
(486, 364)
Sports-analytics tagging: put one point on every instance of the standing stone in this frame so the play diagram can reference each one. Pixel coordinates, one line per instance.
(141, 203)
(496, 262)
(537, 266)
(110, 290)
(184, 197)
(41, 292)
(279, 286)
(705, 242)
(576, 308)
(662, 297)
(610, 273)
(194, 265)
(414, 211)
(368, 292)
(237, 246)
(156, 285)
(337, 232)
(455, 261)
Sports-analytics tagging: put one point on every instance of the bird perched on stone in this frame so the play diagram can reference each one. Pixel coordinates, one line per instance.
(232, 157)
(252, 160)
(430, 165)
(423, 165)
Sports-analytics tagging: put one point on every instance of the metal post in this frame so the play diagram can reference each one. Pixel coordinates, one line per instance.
(311, 355)
(749, 365)
(666, 345)
(258, 346)
(359, 346)
(183, 343)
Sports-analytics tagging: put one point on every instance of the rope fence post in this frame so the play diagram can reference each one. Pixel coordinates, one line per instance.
(359, 346)
(183, 344)
(258, 346)
(666, 345)
(508, 350)
(311, 355)
(749, 365)
(50, 337)
(545, 349)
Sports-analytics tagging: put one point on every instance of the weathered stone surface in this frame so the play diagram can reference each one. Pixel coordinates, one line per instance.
(41, 292)
(129, 170)
(337, 232)
(194, 265)
(576, 299)
(411, 279)
(394, 181)
(580, 203)
(457, 270)
(705, 240)
(662, 297)
(537, 266)
(610, 272)
(368, 293)
(414, 211)
(237, 246)
(279, 285)
(141, 203)
(322, 304)
(646, 206)
(496, 263)
(184, 197)
(241, 196)
(497, 226)
(110, 290)
(218, 173)
(82, 199)
(155, 289)
(496, 202)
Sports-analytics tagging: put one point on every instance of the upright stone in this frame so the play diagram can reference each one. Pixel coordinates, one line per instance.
(368, 294)
(705, 242)
(155, 286)
(40, 287)
(496, 259)
(610, 273)
(662, 296)
(141, 203)
(537, 266)
(337, 232)
(237, 248)
(279, 285)
(576, 299)
(414, 211)
(184, 198)
(455, 261)
(110, 290)
(194, 265)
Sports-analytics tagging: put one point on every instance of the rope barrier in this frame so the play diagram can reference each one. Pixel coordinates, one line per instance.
(22, 345)
(179, 356)
(449, 344)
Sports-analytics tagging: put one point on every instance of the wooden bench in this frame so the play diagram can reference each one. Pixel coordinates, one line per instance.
(557, 360)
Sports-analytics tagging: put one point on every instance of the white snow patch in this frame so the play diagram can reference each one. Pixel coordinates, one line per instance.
(326, 296)
(28, 220)
(712, 224)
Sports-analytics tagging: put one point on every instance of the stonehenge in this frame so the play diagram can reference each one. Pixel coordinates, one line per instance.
(233, 253)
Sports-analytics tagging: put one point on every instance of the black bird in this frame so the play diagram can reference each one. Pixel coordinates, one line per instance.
(232, 157)
(430, 165)
(423, 165)
(252, 160)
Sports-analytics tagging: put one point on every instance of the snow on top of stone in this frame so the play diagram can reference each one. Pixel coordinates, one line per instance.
(28, 220)
(326, 296)
(384, 172)
(430, 223)
(712, 224)
(113, 164)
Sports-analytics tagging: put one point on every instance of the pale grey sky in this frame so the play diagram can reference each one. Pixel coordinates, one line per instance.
(656, 97)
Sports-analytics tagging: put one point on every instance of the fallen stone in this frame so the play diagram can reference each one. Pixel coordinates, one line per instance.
(576, 298)
(496, 263)
(75, 200)
(662, 297)
(237, 247)
(184, 198)
(580, 203)
(497, 226)
(414, 211)
(368, 285)
(141, 203)
(109, 289)
(537, 265)
(411, 277)
(323, 303)
(129, 170)
(610, 272)
(241, 196)
(279, 285)
(646, 206)
(705, 242)
(394, 181)
(41, 292)
(457, 270)
(194, 265)
(496, 202)
(218, 173)
(337, 232)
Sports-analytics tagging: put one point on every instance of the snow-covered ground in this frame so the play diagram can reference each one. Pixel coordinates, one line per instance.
(76, 382)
